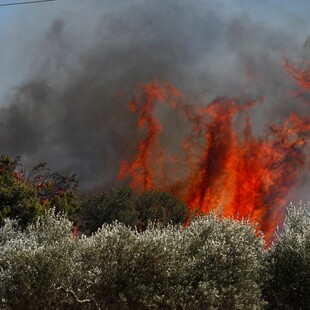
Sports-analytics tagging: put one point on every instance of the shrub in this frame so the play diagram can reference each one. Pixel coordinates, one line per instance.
(133, 209)
(224, 264)
(17, 197)
(161, 207)
(35, 263)
(26, 194)
(107, 207)
(212, 264)
(288, 262)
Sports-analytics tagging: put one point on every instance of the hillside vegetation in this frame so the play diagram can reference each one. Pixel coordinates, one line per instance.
(137, 253)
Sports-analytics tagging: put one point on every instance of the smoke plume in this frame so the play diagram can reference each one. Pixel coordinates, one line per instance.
(70, 68)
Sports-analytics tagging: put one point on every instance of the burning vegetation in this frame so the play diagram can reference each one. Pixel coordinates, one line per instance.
(221, 165)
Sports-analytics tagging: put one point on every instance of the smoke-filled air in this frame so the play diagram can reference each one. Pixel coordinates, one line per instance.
(206, 99)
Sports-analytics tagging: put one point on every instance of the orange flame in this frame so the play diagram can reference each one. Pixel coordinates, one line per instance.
(228, 169)
(74, 233)
(301, 76)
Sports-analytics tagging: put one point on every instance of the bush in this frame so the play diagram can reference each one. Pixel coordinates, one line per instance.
(161, 207)
(127, 270)
(224, 264)
(288, 262)
(212, 264)
(35, 263)
(107, 207)
(26, 194)
(133, 209)
(17, 197)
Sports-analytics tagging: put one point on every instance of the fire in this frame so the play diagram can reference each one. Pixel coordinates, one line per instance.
(222, 167)
(141, 169)
(301, 76)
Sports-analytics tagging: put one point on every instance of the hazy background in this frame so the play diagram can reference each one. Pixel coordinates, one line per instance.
(69, 67)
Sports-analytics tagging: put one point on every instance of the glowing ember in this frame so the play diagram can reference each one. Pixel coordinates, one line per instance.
(222, 168)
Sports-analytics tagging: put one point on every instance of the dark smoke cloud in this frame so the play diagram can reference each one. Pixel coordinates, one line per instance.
(76, 63)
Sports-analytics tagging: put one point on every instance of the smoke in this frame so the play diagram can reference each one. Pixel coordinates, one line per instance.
(69, 69)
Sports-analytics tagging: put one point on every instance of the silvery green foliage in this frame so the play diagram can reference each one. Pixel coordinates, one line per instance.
(35, 262)
(125, 269)
(9, 231)
(211, 264)
(288, 262)
(224, 264)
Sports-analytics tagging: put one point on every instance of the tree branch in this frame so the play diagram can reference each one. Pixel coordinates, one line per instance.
(80, 301)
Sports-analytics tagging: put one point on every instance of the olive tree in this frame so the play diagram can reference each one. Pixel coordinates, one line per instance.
(288, 262)
(36, 263)
(224, 264)
(213, 263)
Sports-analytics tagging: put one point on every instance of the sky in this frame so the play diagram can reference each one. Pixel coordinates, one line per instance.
(62, 62)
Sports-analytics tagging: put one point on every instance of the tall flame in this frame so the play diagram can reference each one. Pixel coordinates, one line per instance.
(222, 167)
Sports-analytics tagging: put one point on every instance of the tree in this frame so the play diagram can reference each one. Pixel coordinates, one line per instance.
(212, 264)
(288, 263)
(107, 207)
(35, 262)
(26, 194)
(224, 267)
(54, 189)
(161, 207)
(18, 198)
(132, 209)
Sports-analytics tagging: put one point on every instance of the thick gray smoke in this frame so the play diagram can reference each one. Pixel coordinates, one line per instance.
(70, 67)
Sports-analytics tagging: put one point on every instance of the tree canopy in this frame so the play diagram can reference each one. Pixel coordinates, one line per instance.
(25, 194)
(133, 209)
